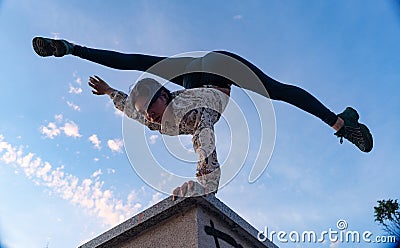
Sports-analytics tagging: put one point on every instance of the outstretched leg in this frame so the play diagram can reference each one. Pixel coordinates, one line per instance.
(288, 93)
(346, 123)
(167, 68)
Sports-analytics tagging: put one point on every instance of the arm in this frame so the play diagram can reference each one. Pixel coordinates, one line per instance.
(208, 171)
(100, 87)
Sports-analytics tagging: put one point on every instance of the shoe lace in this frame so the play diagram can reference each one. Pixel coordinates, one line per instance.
(352, 134)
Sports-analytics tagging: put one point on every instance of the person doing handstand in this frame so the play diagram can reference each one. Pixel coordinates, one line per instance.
(197, 108)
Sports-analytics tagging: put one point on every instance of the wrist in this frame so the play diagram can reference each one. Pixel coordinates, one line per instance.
(210, 181)
(109, 91)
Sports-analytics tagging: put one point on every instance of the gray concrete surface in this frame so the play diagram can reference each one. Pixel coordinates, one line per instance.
(200, 222)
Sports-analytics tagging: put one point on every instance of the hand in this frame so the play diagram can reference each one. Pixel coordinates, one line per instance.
(100, 86)
(188, 189)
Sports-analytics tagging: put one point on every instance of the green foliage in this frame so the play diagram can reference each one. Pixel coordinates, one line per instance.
(387, 213)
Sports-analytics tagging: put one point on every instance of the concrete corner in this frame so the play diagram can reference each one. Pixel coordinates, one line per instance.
(200, 222)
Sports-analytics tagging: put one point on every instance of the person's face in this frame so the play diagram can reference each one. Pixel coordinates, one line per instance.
(155, 110)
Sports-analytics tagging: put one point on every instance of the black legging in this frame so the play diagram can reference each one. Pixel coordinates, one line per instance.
(189, 73)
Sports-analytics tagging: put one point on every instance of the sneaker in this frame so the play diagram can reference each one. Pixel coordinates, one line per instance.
(49, 47)
(353, 131)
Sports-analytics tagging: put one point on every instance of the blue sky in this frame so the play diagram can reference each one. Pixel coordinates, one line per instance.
(65, 176)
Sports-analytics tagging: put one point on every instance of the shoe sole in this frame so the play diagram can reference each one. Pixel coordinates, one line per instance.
(368, 139)
(42, 46)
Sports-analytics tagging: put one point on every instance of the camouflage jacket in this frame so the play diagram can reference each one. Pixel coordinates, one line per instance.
(193, 111)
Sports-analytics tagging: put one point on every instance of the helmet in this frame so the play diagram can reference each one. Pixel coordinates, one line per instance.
(147, 87)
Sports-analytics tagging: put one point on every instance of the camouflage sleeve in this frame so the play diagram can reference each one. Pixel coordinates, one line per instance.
(119, 99)
(208, 172)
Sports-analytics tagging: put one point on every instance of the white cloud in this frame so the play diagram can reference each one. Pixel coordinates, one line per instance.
(97, 173)
(74, 90)
(77, 79)
(156, 198)
(74, 106)
(95, 141)
(110, 171)
(58, 117)
(87, 193)
(96, 159)
(43, 171)
(50, 131)
(115, 145)
(25, 161)
(10, 155)
(71, 129)
(153, 139)
(238, 17)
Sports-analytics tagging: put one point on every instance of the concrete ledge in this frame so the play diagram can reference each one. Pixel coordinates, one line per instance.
(192, 226)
